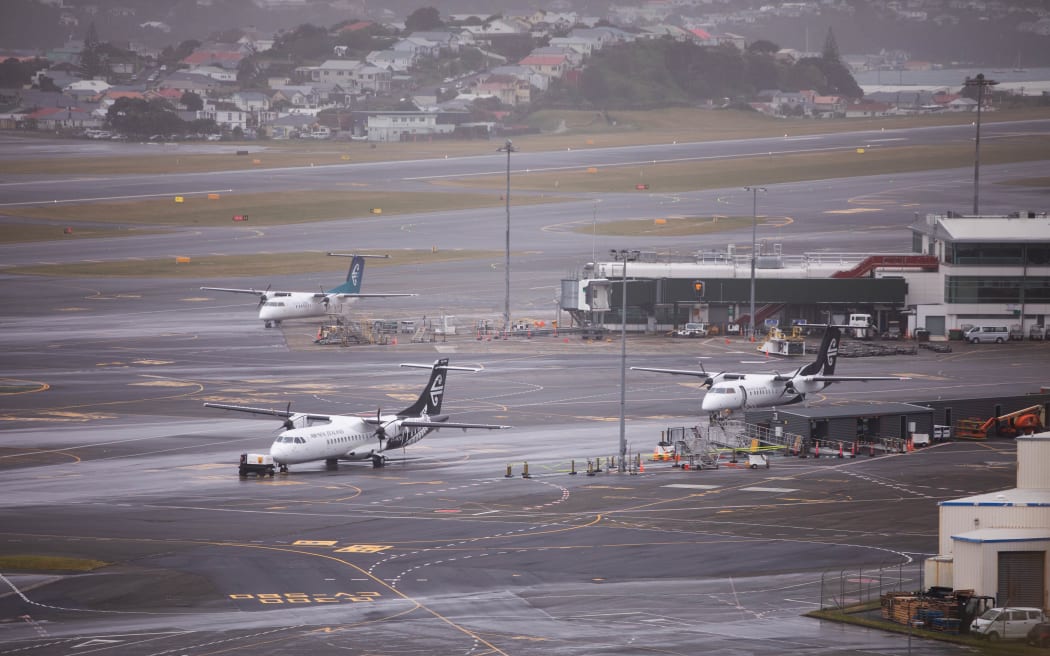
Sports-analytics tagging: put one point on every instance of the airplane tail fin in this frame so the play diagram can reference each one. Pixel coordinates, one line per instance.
(429, 401)
(827, 356)
(354, 276)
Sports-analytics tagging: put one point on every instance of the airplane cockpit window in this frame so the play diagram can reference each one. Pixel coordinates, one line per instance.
(300, 440)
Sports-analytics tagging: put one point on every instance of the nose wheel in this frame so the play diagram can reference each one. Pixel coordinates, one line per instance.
(378, 461)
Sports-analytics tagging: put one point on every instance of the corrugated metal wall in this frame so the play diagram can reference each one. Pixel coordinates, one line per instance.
(955, 520)
(1033, 458)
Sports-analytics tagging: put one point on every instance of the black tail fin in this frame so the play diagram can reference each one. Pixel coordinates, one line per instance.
(429, 401)
(827, 356)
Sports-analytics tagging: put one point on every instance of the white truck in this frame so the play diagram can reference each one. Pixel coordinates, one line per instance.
(260, 464)
(860, 326)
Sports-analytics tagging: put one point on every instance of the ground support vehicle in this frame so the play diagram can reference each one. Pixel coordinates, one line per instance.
(260, 464)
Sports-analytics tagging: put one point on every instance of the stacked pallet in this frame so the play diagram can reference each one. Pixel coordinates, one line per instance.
(908, 608)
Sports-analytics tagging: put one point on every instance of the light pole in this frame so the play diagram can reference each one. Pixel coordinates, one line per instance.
(507, 148)
(623, 256)
(980, 83)
(754, 229)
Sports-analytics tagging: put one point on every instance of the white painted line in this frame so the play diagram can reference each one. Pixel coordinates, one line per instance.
(768, 489)
(690, 486)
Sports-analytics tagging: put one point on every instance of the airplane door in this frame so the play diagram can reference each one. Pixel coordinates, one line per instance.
(743, 397)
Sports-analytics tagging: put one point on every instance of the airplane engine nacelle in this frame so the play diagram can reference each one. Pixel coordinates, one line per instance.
(806, 385)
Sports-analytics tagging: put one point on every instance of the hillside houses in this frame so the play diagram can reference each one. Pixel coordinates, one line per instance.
(288, 97)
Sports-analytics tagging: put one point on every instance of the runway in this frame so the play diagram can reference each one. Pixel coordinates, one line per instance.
(108, 454)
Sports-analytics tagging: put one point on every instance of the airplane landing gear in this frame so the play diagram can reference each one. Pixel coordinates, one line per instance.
(331, 463)
(267, 324)
(283, 469)
(378, 461)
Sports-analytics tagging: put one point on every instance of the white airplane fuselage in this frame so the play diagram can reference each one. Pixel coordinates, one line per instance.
(340, 438)
(300, 305)
(757, 391)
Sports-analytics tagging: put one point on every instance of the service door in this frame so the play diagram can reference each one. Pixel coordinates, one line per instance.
(1022, 576)
(935, 325)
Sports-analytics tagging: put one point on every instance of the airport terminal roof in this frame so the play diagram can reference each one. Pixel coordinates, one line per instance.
(994, 228)
(1021, 497)
(853, 410)
(1004, 535)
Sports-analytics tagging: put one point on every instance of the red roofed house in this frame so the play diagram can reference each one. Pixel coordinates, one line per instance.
(553, 66)
(56, 118)
(355, 26)
(224, 58)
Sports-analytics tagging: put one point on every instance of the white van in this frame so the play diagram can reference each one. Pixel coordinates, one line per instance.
(986, 334)
(996, 623)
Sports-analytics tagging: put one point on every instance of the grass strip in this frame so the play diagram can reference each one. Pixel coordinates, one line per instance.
(239, 266)
(26, 563)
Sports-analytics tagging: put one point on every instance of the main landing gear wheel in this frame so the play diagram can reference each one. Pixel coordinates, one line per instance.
(331, 463)
(378, 461)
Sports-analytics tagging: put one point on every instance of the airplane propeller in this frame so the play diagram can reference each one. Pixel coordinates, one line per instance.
(288, 423)
(380, 431)
(262, 297)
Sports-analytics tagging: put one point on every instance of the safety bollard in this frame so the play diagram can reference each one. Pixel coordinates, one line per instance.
(572, 468)
(590, 467)
(840, 450)
(871, 450)
(525, 472)
(508, 474)
(598, 465)
(853, 450)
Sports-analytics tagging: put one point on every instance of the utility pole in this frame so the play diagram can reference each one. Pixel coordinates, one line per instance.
(754, 229)
(623, 256)
(507, 148)
(981, 83)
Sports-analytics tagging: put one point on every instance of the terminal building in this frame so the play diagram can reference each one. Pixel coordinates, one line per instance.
(963, 271)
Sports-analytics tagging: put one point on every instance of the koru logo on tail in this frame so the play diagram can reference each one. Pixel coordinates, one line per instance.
(355, 274)
(437, 389)
(833, 351)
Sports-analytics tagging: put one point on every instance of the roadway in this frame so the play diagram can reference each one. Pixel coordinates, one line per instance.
(108, 453)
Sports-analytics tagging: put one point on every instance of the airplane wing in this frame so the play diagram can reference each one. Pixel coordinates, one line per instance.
(366, 295)
(420, 423)
(841, 379)
(681, 372)
(257, 292)
(273, 412)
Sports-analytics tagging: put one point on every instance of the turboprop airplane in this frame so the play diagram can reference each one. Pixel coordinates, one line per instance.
(275, 307)
(310, 436)
(734, 391)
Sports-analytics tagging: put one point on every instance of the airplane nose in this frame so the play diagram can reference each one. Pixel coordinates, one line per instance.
(281, 453)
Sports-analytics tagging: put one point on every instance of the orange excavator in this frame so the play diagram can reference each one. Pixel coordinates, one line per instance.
(1020, 422)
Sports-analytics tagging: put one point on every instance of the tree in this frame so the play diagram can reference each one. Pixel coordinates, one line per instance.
(142, 118)
(92, 60)
(423, 20)
(763, 47)
(191, 101)
(830, 53)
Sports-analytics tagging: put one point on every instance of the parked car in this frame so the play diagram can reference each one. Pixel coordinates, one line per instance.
(996, 623)
(691, 330)
(1039, 635)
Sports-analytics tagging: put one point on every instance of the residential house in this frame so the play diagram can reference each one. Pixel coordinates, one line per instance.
(793, 103)
(869, 109)
(420, 48)
(963, 105)
(335, 71)
(225, 75)
(287, 127)
(525, 73)
(573, 58)
(391, 60)
(551, 66)
(199, 84)
(64, 118)
(401, 126)
(251, 101)
(372, 79)
(295, 95)
(829, 106)
(508, 89)
(447, 41)
(225, 114)
(225, 56)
